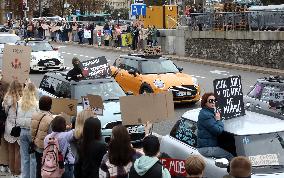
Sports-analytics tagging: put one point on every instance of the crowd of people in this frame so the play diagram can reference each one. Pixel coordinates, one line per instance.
(36, 144)
(107, 35)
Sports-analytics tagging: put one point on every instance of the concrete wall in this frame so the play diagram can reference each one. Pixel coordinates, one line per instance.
(265, 49)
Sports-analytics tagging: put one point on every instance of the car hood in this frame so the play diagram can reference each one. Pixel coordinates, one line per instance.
(170, 79)
(46, 54)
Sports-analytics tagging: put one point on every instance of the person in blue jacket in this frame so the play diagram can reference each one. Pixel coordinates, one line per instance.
(210, 126)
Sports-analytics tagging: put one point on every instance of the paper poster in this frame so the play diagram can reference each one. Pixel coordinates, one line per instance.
(152, 50)
(96, 110)
(229, 94)
(264, 160)
(16, 63)
(87, 34)
(176, 167)
(126, 39)
(147, 107)
(96, 68)
(64, 105)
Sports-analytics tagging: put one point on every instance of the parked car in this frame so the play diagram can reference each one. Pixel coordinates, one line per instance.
(267, 97)
(54, 84)
(257, 136)
(4, 28)
(44, 56)
(10, 39)
(154, 74)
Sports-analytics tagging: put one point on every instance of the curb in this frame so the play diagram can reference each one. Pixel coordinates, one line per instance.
(228, 65)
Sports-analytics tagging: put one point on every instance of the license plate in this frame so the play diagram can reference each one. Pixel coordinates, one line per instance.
(183, 93)
(132, 130)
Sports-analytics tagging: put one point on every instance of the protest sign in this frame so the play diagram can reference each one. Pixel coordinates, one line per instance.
(96, 106)
(176, 167)
(99, 28)
(16, 63)
(87, 34)
(147, 107)
(152, 50)
(126, 39)
(64, 105)
(96, 68)
(229, 94)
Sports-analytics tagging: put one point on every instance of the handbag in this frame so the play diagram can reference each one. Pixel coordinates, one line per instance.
(16, 130)
(32, 145)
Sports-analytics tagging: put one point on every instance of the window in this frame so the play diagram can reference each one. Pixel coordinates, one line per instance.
(49, 84)
(131, 64)
(271, 92)
(256, 91)
(158, 66)
(63, 90)
(185, 131)
(119, 63)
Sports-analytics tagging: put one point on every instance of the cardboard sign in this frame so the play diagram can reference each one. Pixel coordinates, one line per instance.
(87, 34)
(96, 110)
(95, 101)
(152, 50)
(64, 105)
(16, 63)
(96, 68)
(126, 39)
(147, 107)
(176, 167)
(229, 94)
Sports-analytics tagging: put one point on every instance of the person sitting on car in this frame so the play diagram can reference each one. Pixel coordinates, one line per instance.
(149, 164)
(240, 167)
(195, 166)
(210, 126)
(77, 72)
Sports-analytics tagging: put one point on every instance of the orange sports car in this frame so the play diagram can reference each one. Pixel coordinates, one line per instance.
(144, 74)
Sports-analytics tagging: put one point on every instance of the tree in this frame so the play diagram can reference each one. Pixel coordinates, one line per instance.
(124, 13)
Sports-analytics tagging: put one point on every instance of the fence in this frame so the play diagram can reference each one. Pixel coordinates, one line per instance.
(223, 21)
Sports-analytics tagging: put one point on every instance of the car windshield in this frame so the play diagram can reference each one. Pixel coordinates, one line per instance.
(263, 149)
(8, 39)
(108, 91)
(158, 66)
(40, 46)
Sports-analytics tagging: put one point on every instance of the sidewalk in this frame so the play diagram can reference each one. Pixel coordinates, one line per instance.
(250, 68)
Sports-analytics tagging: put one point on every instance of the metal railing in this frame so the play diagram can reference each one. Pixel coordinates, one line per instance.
(224, 21)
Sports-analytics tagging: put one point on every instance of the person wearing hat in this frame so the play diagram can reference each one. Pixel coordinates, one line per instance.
(77, 72)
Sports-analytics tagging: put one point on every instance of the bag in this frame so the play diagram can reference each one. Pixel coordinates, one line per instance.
(52, 160)
(16, 130)
(32, 145)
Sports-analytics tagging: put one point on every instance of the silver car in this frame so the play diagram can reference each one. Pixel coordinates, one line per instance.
(267, 97)
(256, 136)
(6, 38)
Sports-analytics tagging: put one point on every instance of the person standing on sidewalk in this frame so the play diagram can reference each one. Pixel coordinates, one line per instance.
(10, 103)
(28, 104)
(40, 127)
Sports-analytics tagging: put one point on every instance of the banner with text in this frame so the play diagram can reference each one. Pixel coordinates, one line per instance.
(96, 68)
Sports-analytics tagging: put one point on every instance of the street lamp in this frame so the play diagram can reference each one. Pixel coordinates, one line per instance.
(118, 15)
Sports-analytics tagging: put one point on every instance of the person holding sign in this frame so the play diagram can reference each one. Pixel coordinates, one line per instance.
(77, 72)
(210, 126)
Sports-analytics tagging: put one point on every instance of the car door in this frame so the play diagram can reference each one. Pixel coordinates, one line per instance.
(182, 142)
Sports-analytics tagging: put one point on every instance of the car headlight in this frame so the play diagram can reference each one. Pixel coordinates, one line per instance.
(195, 81)
(159, 83)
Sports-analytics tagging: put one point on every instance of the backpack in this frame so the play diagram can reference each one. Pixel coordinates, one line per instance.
(52, 160)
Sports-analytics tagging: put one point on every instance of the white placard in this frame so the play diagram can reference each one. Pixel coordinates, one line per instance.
(262, 160)
(87, 33)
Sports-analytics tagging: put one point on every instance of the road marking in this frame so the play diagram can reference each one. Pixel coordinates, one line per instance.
(81, 55)
(75, 54)
(68, 53)
(197, 76)
(63, 52)
(61, 46)
(219, 72)
(87, 56)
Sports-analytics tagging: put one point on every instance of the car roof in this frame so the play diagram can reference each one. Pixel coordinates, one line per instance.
(142, 57)
(8, 34)
(249, 124)
(62, 76)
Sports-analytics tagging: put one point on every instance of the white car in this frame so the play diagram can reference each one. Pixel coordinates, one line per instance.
(5, 38)
(256, 136)
(44, 56)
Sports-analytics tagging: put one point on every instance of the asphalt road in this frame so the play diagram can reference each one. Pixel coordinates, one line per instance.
(204, 73)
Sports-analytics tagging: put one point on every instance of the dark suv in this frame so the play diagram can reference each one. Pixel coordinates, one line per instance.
(267, 97)
(56, 85)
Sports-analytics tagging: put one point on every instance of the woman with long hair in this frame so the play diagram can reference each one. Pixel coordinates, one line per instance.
(80, 120)
(91, 150)
(121, 155)
(27, 105)
(10, 103)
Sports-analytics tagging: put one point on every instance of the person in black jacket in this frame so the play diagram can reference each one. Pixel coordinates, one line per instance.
(91, 150)
(77, 72)
(149, 165)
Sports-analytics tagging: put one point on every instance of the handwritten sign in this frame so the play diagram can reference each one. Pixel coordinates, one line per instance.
(86, 104)
(152, 50)
(96, 68)
(262, 160)
(16, 63)
(229, 94)
(176, 167)
(64, 105)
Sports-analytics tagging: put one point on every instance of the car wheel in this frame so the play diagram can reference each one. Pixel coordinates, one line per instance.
(146, 88)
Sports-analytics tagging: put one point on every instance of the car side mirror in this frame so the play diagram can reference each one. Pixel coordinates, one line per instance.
(129, 93)
(180, 69)
(132, 72)
(222, 163)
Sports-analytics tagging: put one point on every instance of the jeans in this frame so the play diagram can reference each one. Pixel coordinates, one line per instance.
(215, 152)
(38, 164)
(28, 161)
(68, 173)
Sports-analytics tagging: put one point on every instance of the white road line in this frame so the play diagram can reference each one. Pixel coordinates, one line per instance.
(68, 53)
(63, 52)
(81, 55)
(61, 47)
(87, 56)
(75, 54)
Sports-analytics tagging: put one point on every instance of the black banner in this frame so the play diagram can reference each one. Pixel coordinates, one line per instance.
(96, 68)
(229, 95)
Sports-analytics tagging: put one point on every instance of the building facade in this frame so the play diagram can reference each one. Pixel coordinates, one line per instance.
(118, 4)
